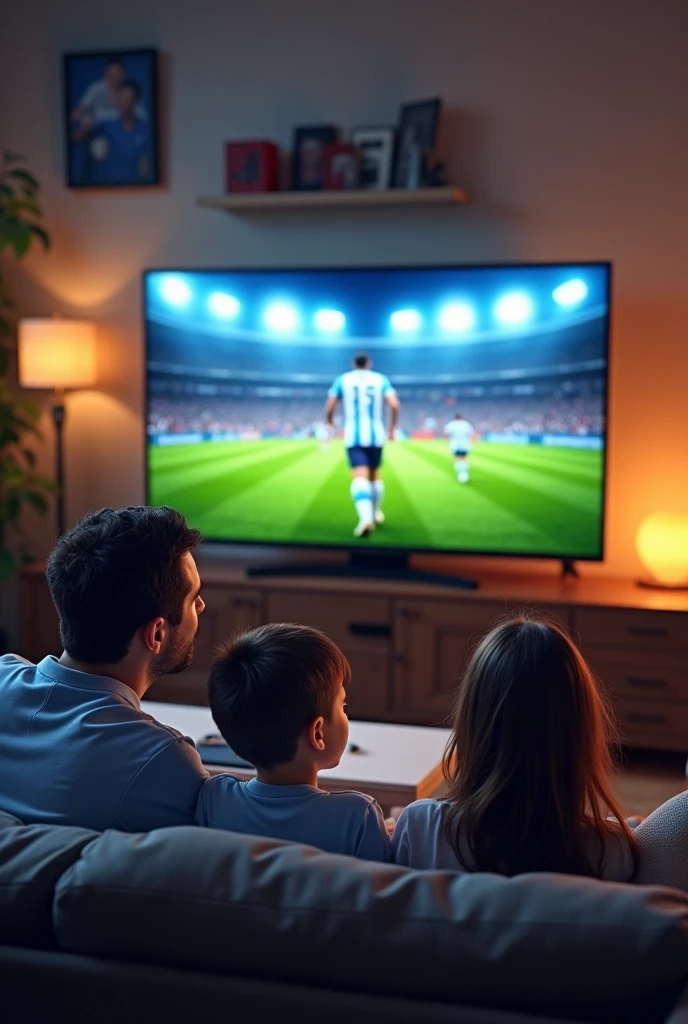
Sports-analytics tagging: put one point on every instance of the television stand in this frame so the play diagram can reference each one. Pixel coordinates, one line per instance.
(378, 566)
(568, 568)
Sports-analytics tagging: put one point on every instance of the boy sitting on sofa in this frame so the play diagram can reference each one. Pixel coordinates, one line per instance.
(278, 697)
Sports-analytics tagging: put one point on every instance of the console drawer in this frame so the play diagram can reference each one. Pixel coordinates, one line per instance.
(659, 725)
(643, 675)
(354, 623)
(628, 627)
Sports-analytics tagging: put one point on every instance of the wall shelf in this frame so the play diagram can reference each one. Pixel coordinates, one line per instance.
(248, 202)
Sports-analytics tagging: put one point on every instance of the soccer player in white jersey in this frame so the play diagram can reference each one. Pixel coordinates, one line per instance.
(364, 394)
(460, 433)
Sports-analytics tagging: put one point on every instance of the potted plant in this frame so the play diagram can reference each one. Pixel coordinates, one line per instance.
(20, 485)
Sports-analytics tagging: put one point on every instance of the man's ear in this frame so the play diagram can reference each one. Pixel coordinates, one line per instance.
(153, 635)
(316, 736)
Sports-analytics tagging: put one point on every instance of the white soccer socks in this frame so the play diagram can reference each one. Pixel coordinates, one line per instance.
(362, 494)
(378, 487)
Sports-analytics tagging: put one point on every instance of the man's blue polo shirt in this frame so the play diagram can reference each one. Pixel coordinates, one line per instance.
(76, 749)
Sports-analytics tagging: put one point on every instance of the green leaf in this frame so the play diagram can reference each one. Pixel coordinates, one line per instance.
(26, 178)
(37, 501)
(30, 205)
(12, 158)
(21, 239)
(30, 457)
(38, 231)
(6, 563)
(7, 191)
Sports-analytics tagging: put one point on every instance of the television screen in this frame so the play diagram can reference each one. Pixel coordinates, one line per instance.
(436, 408)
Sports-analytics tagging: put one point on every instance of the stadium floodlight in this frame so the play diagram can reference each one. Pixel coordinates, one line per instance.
(175, 290)
(224, 305)
(281, 317)
(456, 317)
(329, 321)
(406, 321)
(570, 293)
(514, 308)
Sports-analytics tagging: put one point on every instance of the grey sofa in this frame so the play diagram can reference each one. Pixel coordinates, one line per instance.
(189, 924)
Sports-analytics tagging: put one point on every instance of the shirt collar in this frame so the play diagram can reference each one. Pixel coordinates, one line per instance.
(51, 668)
(264, 789)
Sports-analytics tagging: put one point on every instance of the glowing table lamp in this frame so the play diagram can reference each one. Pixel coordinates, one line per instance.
(57, 354)
(662, 546)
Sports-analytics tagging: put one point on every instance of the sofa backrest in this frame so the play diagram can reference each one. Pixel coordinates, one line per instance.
(226, 903)
(32, 859)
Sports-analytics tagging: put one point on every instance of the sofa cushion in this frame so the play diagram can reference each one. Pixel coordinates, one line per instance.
(220, 902)
(663, 845)
(32, 858)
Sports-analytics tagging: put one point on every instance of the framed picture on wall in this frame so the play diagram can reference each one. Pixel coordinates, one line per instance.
(376, 146)
(111, 119)
(418, 123)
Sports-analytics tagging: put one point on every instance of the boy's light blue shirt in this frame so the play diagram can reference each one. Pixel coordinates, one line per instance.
(348, 823)
(75, 749)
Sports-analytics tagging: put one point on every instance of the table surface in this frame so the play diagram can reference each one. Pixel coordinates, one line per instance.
(394, 755)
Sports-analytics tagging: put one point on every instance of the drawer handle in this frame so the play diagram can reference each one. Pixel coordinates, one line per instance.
(647, 631)
(636, 716)
(642, 683)
(370, 629)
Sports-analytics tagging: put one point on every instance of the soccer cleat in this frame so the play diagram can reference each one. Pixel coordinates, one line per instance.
(463, 478)
(364, 528)
(379, 516)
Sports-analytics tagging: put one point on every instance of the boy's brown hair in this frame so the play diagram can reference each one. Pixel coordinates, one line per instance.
(269, 684)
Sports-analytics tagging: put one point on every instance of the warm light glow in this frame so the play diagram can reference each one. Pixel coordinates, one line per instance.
(662, 546)
(57, 353)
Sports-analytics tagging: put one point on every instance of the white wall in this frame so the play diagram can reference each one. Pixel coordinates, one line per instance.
(567, 120)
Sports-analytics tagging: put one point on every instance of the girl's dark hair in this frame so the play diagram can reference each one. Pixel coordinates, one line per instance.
(528, 761)
(269, 684)
(114, 571)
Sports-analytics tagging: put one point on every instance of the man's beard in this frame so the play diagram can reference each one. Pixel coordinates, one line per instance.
(177, 657)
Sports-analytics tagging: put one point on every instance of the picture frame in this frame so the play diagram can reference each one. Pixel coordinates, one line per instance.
(341, 167)
(308, 156)
(376, 146)
(418, 123)
(111, 119)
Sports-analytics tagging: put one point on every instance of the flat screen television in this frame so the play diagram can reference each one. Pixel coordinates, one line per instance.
(500, 378)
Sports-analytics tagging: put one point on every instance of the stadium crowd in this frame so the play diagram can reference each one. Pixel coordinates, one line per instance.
(281, 417)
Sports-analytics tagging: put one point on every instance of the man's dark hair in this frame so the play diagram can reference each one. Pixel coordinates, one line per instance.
(129, 83)
(114, 62)
(361, 360)
(114, 571)
(269, 684)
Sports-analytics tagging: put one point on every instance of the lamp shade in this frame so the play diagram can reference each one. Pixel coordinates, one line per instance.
(57, 353)
(662, 546)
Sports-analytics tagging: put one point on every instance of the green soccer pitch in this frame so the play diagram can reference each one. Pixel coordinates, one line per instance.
(525, 499)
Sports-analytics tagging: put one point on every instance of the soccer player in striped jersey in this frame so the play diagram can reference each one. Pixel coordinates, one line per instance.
(364, 394)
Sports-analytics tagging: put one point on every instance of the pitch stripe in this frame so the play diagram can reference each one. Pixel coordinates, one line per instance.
(467, 513)
(254, 502)
(228, 472)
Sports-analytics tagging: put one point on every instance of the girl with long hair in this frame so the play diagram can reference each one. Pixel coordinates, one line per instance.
(527, 767)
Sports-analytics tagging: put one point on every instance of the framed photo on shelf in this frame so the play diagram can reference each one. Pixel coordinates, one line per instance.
(308, 157)
(417, 134)
(111, 119)
(341, 167)
(376, 148)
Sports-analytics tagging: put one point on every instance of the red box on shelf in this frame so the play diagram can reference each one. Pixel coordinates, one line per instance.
(251, 166)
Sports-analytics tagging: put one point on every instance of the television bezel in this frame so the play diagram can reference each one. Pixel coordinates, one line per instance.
(378, 550)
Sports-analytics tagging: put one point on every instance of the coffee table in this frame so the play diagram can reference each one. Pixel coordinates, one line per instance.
(395, 764)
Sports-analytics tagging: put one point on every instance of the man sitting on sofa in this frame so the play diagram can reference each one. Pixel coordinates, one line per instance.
(75, 747)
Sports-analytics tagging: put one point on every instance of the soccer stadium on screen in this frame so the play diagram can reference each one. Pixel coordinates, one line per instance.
(452, 408)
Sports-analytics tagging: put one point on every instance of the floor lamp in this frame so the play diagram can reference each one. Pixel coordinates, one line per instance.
(57, 354)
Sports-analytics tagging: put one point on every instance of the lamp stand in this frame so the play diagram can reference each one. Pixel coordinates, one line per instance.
(58, 413)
